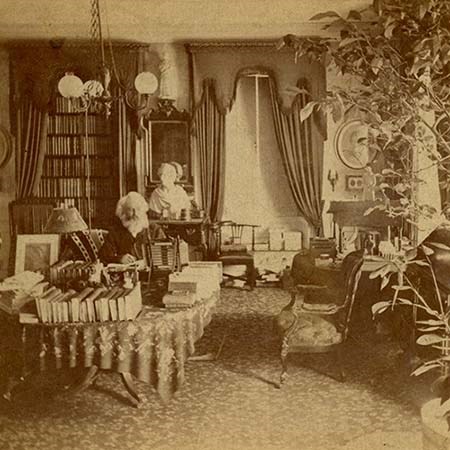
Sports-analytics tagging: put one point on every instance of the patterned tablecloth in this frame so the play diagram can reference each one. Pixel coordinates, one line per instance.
(153, 348)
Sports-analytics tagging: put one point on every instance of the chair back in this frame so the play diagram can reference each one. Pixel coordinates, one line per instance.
(235, 238)
(29, 215)
(351, 285)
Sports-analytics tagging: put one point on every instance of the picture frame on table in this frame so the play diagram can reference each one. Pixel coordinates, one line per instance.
(36, 252)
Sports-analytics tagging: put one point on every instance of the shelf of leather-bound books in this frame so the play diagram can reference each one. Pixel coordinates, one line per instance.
(79, 145)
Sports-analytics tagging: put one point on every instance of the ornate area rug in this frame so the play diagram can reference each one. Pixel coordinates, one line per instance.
(233, 402)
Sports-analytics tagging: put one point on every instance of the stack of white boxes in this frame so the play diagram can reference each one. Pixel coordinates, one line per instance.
(285, 240)
(198, 280)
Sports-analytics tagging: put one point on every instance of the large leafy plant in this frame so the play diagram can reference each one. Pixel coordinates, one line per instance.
(395, 57)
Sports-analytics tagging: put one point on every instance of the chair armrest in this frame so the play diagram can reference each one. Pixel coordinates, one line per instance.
(319, 308)
(299, 288)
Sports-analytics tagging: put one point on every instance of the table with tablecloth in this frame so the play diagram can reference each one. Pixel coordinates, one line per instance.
(153, 348)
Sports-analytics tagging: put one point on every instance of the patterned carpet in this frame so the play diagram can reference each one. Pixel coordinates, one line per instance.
(232, 403)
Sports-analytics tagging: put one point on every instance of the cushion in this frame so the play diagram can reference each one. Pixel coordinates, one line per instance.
(85, 245)
(313, 330)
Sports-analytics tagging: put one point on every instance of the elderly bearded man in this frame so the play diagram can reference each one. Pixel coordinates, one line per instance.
(125, 243)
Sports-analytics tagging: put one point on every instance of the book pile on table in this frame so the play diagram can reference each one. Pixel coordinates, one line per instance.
(98, 304)
(64, 271)
(198, 280)
(20, 289)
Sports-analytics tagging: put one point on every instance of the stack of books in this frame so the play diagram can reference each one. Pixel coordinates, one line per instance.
(64, 271)
(90, 305)
(18, 290)
(198, 280)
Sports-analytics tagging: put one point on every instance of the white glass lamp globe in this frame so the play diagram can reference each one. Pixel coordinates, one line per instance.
(146, 83)
(70, 86)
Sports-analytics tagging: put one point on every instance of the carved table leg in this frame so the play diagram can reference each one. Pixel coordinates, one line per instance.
(128, 382)
(340, 364)
(88, 379)
(284, 354)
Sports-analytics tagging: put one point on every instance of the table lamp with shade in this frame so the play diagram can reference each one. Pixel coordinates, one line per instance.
(65, 220)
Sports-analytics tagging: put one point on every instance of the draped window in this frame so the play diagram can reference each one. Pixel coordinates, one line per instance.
(301, 145)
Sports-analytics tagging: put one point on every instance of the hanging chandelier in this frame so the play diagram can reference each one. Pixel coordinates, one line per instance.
(95, 94)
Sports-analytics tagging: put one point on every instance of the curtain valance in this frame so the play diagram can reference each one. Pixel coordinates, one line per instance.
(225, 62)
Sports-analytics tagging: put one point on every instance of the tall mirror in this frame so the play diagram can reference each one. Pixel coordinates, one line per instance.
(168, 140)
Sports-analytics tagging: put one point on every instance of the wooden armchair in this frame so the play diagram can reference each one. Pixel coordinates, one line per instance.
(308, 327)
(232, 251)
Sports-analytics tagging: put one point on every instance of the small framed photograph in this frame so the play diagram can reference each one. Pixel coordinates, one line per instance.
(354, 183)
(36, 252)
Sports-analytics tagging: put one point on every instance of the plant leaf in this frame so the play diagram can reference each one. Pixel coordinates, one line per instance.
(325, 15)
(307, 110)
(422, 369)
(439, 245)
(427, 250)
(430, 322)
(429, 339)
(380, 307)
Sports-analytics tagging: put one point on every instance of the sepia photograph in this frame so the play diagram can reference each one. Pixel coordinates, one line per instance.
(225, 225)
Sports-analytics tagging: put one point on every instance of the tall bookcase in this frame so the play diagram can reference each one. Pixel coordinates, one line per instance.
(71, 154)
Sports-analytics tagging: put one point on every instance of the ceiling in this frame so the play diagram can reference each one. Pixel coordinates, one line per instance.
(167, 20)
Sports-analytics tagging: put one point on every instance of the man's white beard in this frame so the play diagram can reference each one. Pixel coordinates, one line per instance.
(136, 224)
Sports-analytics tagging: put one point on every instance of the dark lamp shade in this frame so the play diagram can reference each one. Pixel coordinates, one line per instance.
(65, 220)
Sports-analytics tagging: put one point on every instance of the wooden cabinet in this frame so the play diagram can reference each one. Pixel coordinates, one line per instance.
(81, 162)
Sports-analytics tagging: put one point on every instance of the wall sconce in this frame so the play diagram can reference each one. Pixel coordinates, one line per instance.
(333, 177)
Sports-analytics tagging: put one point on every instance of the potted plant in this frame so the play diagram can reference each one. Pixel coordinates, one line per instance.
(395, 58)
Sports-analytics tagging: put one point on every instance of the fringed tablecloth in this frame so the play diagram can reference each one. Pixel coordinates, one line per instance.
(153, 348)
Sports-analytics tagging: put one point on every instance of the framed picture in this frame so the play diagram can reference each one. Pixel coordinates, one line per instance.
(352, 144)
(36, 252)
(354, 183)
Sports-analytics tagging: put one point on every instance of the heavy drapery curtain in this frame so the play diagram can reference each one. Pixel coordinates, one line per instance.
(31, 142)
(302, 153)
(209, 129)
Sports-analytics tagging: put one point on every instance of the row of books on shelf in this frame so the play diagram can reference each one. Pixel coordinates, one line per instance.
(76, 187)
(99, 304)
(77, 167)
(74, 146)
(198, 280)
(69, 125)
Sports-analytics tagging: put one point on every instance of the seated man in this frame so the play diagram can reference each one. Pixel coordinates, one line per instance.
(132, 233)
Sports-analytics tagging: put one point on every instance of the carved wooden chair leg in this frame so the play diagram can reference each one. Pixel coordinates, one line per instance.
(128, 382)
(284, 355)
(340, 364)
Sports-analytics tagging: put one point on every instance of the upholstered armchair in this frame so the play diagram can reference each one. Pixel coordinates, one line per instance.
(316, 320)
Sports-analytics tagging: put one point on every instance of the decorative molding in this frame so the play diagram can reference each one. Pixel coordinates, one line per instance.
(195, 47)
(61, 44)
